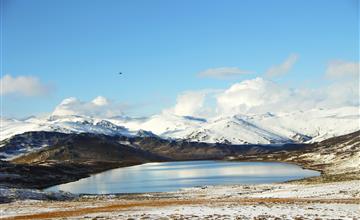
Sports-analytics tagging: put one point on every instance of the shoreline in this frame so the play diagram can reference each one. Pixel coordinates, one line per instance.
(296, 199)
(225, 161)
(63, 195)
(335, 194)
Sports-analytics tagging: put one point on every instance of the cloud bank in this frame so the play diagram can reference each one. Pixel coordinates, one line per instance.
(23, 86)
(261, 95)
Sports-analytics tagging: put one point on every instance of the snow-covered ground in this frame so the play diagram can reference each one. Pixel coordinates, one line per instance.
(335, 190)
(336, 155)
(339, 200)
(31, 194)
(235, 211)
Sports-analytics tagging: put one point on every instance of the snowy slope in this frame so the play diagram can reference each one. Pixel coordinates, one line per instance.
(310, 126)
(300, 126)
(162, 123)
(68, 124)
(228, 130)
(337, 155)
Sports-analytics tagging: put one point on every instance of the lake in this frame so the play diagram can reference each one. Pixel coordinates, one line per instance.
(170, 176)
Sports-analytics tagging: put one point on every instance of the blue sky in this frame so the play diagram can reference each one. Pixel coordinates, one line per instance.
(77, 47)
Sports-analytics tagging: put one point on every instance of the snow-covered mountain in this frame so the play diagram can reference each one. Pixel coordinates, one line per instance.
(300, 126)
(65, 124)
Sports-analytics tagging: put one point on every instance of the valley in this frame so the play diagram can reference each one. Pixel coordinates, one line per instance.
(35, 160)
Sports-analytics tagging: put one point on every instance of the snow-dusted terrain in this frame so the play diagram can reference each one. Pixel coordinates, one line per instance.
(338, 200)
(299, 126)
(333, 200)
(336, 155)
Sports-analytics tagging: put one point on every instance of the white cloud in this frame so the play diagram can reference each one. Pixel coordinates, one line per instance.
(249, 95)
(223, 72)
(192, 103)
(100, 101)
(252, 96)
(283, 68)
(98, 107)
(260, 96)
(189, 103)
(23, 85)
(340, 68)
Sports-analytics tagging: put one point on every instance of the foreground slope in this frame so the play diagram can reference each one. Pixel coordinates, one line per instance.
(268, 201)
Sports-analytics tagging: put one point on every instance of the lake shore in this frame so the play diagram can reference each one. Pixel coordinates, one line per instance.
(267, 201)
(172, 176)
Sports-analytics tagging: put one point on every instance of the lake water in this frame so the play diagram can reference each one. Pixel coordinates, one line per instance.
(170, 176)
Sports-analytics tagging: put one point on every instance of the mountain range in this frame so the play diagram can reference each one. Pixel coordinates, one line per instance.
(65, 147)
(265, 128)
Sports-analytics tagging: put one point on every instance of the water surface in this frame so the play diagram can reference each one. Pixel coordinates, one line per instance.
(170, 176)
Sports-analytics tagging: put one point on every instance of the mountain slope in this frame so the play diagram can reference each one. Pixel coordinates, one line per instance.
(64, 124)
(68, 157)
(337, 155)
(54, 146)
(299, 126)
(230, 130)
(84, 148)
(338, 158)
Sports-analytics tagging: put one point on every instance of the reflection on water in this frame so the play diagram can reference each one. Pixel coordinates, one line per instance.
(169, 176)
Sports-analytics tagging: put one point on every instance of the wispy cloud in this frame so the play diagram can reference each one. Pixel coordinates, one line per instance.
(223, 72)
(340, 68)
(283, 68)
(23, 86)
